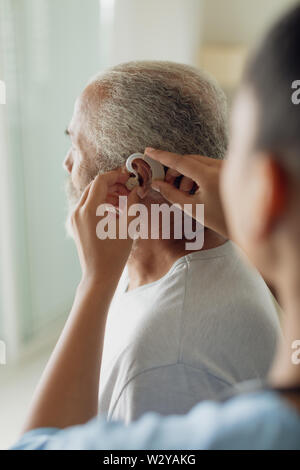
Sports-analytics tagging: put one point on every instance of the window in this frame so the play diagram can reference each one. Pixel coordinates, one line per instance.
(47, 53)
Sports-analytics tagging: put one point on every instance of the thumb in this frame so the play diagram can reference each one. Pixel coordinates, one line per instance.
(169, 192)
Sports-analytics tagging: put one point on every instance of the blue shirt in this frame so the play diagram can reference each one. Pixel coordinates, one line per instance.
(259, 420)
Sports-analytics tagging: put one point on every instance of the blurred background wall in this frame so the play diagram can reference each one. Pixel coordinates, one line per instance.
(156, 29)
(48, 50)
(47, 54)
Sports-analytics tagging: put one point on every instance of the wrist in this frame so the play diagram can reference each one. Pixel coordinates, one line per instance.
(96, 285)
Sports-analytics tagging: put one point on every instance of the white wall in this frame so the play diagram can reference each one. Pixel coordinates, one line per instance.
(153, 30)
(49, 49)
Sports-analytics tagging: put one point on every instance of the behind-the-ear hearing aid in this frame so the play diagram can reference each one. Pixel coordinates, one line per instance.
(132, 166)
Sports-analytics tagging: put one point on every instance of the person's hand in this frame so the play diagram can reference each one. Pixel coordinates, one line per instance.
(102, 259)
(204, 172)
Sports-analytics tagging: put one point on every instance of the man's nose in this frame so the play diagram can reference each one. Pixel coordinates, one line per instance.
(68, 162)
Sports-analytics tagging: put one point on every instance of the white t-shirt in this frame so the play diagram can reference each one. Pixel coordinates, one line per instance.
(206, 325)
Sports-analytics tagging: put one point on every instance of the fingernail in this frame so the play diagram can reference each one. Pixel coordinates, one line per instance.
(155, 187)
(150, 150)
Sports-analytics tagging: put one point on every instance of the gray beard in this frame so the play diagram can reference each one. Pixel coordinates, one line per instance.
(73, 196)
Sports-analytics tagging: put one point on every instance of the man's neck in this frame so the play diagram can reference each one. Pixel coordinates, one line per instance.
(152, 259)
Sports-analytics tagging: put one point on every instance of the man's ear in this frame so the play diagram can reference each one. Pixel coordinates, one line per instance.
(144, 177)
(269, 194)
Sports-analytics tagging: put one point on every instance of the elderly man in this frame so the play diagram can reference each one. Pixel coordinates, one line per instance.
(183, 325)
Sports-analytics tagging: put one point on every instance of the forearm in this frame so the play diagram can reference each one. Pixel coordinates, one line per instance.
(68, 390)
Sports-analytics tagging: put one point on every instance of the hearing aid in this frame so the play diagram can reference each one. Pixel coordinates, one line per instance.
(156, 169)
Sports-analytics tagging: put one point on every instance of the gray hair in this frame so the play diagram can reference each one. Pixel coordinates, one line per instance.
(164, 105)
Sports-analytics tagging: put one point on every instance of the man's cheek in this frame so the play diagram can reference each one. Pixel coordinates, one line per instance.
(72, 193)
(76, 181)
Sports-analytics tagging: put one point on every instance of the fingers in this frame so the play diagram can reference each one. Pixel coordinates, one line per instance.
(176, 196)
(115, 176)
(207, 161)
(112, 199)
(186, 184)
(171, 175)
(166, 158)
(192, 166)
(106, 189)
(184, 164)
(84, 195)
(103, 184)
(173, 195)
(175, 178)
(118, 189)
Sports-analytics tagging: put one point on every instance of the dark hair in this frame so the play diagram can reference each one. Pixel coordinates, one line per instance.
(270, 74)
